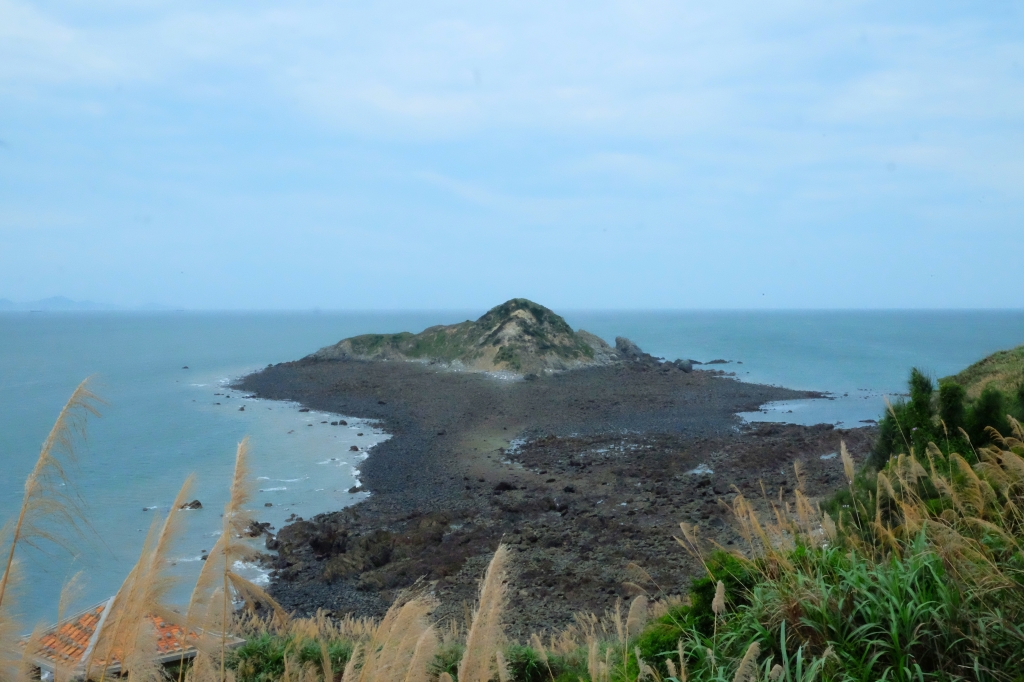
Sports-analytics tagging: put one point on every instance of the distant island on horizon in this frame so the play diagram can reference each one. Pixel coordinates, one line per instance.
(63, 303)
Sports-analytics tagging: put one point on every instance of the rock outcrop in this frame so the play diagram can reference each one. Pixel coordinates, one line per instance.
(517, 336)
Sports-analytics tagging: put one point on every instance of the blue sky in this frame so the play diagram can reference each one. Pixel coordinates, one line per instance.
(452, 155)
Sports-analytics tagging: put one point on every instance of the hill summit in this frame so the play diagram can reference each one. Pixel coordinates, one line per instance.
(517, 336)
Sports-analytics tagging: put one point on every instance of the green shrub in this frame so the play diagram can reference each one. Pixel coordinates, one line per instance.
(988, 410)
(951, 406)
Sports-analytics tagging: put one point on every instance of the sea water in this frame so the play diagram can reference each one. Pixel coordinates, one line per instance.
(858, 358)
(162, 422)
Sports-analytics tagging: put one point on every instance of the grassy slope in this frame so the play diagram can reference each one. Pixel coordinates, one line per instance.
(1003, 370)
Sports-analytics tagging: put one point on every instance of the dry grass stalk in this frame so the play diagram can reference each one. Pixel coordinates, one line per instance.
(637, 616)
(127, 635)
(645, 671)
(69, 594)
(24, 666)
(502, 666)
(690, 544)
(485, 634)
(848, 467)
(747, 670)
(392, 648)
(718, 603)
(49, 501)
(682, 661)
(349, 674)
(325, 662)
(209, 612)
(422, 657)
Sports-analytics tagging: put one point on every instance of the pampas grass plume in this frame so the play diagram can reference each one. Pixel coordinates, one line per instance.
(718, 603)
(637, 616)
(47, 496)
(747, 672)
(485, 633)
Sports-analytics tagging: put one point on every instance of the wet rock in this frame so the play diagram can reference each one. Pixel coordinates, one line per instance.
(684, 365)
(194, 504)
(354, 448)
(356, 489)
(304, 409)
(256, 529)
(628, 349)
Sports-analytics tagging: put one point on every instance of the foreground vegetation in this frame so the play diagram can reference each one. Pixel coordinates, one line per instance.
(914, 572)
(958, 415)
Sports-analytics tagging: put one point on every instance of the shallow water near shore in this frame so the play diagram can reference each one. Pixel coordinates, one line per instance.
(163, 422)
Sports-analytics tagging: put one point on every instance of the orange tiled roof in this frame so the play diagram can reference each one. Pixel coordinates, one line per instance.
(67, 643)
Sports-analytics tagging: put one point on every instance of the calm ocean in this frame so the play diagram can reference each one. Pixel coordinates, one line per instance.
(162, 422)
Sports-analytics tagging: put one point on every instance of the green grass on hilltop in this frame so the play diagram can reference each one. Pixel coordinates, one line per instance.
(1003, 370)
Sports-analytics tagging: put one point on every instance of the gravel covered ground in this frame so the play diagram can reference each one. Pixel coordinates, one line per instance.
(580, 473)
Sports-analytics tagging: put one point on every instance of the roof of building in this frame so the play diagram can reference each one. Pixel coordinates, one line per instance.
(69, 643)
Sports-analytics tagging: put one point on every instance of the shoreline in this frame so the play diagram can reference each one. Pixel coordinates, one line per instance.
(449, 484)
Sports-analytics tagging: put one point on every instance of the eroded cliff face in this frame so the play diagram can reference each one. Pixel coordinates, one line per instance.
(517, 336)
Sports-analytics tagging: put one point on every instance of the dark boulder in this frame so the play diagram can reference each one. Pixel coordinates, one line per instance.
(685, 365)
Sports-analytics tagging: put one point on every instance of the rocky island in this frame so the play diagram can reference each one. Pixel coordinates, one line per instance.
(581, 456)
(517, 336)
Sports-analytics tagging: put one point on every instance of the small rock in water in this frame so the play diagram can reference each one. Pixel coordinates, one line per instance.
(256, 529)
(342, 423)
(356, 489)
(194, 504)
(268, 504)
(242, 408)
(334, 423)
(185, 367)
(304, 409)
(359, 434)
(354, 448)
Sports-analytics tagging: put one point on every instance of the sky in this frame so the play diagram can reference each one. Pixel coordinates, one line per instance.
(601, 155)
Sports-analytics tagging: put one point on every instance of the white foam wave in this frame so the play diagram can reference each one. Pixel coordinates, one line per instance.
(253, 572)
(270, 490)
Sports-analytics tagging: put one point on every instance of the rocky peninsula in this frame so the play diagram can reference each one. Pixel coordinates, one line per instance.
(581, 456)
